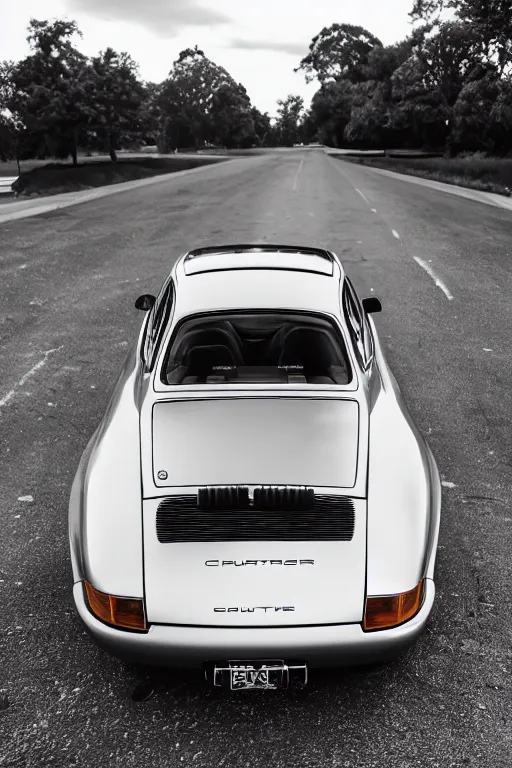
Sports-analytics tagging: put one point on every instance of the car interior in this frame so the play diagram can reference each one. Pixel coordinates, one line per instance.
(257, 348)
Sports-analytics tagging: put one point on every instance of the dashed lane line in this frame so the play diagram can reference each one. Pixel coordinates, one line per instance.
(8, 397)
(363, 196)
(428, 269)
(299, 169)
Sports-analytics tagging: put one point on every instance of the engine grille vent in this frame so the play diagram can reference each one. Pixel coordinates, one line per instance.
(272, 516)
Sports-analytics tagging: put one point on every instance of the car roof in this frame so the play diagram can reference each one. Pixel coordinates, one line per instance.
(262, 256)
(258, 277)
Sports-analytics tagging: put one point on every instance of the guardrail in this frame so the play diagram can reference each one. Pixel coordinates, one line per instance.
(5, 184)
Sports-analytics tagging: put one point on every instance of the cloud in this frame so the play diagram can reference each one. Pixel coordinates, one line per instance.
(244, 44)
(163, 17)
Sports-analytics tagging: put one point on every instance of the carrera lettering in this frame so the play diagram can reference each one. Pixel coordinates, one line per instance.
(241, 563)
(264, 608)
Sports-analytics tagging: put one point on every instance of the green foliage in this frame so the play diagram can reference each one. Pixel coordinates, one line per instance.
(118, 98)
(491, 22)
(57, 100)
(444, 88)
(51, 90)
(338, 51)
(200, 103)
(331, 109)
(289, 120)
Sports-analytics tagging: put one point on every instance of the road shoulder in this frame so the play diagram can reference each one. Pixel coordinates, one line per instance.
(488, 198)
(24, 208)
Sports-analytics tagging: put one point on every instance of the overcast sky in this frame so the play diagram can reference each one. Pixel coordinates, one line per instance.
(258, 42)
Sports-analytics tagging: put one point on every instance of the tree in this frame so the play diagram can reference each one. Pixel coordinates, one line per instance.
(471, 126)
(231, 117)
(263, 129)
(150, 117)
(118, 99)
(416, 115)
(449, 58)
(53, 88)
(370, 123)
(339, 51)
(187, 97)
(331, 108)
(289, 118)
(490, 21)
(500, 118)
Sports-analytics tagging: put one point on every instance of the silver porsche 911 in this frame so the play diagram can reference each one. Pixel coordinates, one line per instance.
(257, 500)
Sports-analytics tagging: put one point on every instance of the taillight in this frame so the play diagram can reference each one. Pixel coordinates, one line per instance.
(392, 610)
(121, 612)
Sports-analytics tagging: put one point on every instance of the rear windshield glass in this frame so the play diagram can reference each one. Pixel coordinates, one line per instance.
(256, 348)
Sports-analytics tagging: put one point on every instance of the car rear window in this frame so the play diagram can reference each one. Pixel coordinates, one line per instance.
(256, 348)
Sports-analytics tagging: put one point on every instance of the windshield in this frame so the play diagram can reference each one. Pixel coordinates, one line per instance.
(257, 348)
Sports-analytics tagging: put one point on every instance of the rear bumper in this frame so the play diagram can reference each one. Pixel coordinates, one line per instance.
(318, 646)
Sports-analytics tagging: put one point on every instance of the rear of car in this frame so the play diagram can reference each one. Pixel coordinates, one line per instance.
(255, 451)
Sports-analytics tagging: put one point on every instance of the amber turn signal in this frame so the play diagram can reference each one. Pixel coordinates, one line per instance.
(121, 612)
(392, 610)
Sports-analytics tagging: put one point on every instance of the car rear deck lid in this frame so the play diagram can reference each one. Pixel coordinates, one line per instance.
(295, 258)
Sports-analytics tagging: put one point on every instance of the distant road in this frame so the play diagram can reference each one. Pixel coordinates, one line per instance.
(442, 267)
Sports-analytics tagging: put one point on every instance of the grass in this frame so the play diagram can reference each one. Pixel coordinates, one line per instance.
(42, 178)
(487, 174)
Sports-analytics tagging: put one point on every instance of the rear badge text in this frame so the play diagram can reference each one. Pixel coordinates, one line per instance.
(264, 608)
(238, 563)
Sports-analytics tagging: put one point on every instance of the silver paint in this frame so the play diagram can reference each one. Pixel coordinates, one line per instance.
(115, 494)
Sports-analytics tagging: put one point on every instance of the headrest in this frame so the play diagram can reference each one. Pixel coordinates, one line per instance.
(308, 347)
(208, 359)
(222, 334)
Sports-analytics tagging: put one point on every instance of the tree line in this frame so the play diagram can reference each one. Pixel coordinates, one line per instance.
(57, 101)
(446, 87)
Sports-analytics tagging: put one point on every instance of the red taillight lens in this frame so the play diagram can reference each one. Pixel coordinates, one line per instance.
(391, 610)
(122, 612)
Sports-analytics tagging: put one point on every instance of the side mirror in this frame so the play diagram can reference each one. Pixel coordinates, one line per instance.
(145, 302)
(372, 304)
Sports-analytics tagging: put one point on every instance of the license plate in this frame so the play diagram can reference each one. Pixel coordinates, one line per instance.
(258, 675)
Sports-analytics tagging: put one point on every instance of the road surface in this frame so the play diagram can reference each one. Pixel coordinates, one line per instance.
(442, 267)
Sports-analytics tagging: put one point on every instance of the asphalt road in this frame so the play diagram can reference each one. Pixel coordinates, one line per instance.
(68, 281)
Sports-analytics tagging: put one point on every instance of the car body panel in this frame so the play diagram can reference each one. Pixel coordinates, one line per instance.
(334, 645)
(267, 289)
(105, 509)
(403, 486)
(185, 585)
(257, 441)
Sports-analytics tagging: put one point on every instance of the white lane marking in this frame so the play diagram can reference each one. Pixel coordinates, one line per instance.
(27, 376)
(487, 350)
(395, 234)
(374, 210)
(428, 269)
(26, 498)
(299, 169)
(363, 196)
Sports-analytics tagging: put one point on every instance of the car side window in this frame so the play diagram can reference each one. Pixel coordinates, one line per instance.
(160, 315)
(358, 326)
